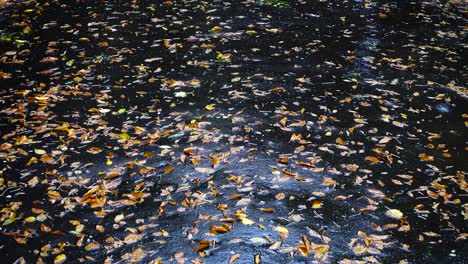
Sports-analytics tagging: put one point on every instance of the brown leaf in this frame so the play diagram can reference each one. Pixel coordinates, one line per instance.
(289, 174)
(267, 210)
(168, 169)
(214, 162)
(278, 90)
(92, 246)
(132, 238)
(203, 244)
(94, 150)
(373, 160)
(31, 161)
(280, 196)
(97, 202)
(48, 159)
(215, 230)
(54, 195)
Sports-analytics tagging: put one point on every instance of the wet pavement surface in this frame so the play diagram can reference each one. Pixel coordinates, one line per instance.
(233, 132)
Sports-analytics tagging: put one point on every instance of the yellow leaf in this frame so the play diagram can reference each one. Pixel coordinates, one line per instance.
(394, 213)
(317, 204)
(60, 259)
(54, 195)
(284, 121)
(359, 249)
(27, 30)
(31, 161)
(247, 221)
(100, 228)
(209, 107)
(284, 232)
(30, 219)
(124, 136)
(320, 248)
(119, 218)
(216, 28)
(39, 151)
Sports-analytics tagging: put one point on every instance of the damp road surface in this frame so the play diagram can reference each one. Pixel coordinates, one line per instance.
(274, 131)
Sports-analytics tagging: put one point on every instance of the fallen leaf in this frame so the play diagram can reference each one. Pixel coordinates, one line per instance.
(216, 28)
(394, 213)
(316, 204)
(132, 238)
(60, 259)
(233, 258)
(209, 107)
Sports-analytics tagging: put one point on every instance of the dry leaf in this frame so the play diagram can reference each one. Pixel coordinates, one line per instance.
(394, 213)
(59, 259)
(132, 238)
(233, 258)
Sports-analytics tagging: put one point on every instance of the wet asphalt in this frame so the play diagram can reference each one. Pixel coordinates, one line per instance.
(233, 132)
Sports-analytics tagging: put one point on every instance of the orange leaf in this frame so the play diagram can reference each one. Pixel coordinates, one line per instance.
(373, 160)
(168, 169)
